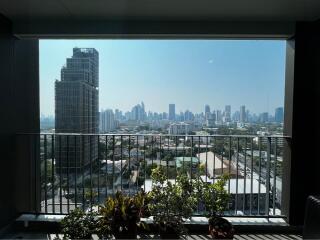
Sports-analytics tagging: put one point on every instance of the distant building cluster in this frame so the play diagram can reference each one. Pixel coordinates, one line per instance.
(183, 121)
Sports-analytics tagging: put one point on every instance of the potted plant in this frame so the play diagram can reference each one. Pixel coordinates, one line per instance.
(170, 203)
(123, 213)
(79, 225)
(215, 199)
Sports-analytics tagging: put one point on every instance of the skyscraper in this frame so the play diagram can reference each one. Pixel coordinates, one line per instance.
(172, 112)
(76, 109)
(206, 108)
(211, 119)
(242, 113)
(207, 111)
(279, 115)
(138, 112)
(219, 116)
(264, 117)
(227, 113)
(188, 116)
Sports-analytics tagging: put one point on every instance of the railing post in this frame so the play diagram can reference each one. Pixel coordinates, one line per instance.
(268, 176)
(35, 155)
(286, 179)
(45, 173)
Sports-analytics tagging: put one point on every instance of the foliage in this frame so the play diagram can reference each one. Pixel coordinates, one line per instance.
(202, 169)
(88, 195)
(79, 225)
(214, 196)
(46, 170)
(126, 174)
(119, 215)
(102, 152)
(193, 170)
(143, 128)
(123, 213)
(168, 157)
(171, 203)
(149, 169)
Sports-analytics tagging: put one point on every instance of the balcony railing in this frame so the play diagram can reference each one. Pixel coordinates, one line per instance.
(81, 170)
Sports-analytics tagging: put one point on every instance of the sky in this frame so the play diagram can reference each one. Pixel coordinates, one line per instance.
(189, 73)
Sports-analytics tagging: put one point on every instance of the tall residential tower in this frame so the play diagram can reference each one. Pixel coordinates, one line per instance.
(227, 113)
(172, 112)
(243, 114)
(279, 115)
(76, 109)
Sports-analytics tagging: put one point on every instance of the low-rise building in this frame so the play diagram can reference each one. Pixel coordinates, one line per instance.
(112, 167)
(180, 128)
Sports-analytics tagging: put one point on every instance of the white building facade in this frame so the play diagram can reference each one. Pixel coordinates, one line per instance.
(107, 121)
(180, 128)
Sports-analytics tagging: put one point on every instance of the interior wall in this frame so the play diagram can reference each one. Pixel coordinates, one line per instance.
(19, 101)
(6, 71)
(302, 120)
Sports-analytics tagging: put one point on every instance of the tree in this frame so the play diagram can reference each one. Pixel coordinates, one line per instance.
(150, 168)
(102, 150)
(46, 172)
(168, 157)
(90, 194)
(126, 174)
(202, 169)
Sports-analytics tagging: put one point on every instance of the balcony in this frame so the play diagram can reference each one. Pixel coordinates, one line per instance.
(33, 184)
(82, 170)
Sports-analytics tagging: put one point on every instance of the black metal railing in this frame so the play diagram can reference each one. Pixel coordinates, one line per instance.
(81, 170)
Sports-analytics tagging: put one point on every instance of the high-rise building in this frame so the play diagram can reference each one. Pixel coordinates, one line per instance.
(278, 116)
(243, 114)
(181, 117)
(172, 112)
(248, 116)
(211, 119)
(76, 109)
(118, 114)
(127, 115)
(206, 108)
(107, 121)
(219, 116)
(236, 116)
(227, 113)
(207, 112)
(264, 117)
(164, 115)
(210, 122)
(188, 116)
(138, 113)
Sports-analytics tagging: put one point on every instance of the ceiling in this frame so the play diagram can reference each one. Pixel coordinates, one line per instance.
(158, 18)
(209, 10)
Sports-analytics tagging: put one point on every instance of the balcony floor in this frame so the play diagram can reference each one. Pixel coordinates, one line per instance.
(190, 237)
(39, 227)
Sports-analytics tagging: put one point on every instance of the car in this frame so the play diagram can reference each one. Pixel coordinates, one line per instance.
(69, 195)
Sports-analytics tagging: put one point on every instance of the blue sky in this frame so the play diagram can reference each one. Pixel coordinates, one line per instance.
(189, 73)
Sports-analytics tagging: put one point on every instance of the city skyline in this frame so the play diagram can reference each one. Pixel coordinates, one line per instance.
(189, 73)
(102, 109)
